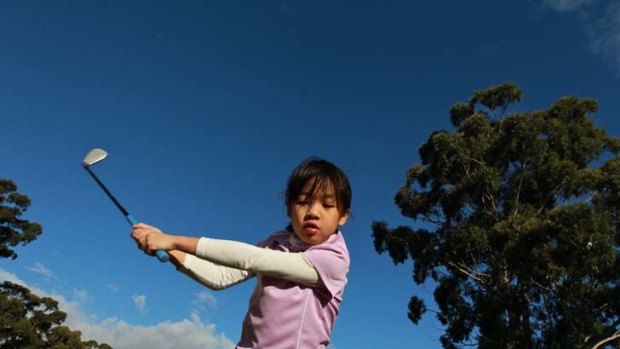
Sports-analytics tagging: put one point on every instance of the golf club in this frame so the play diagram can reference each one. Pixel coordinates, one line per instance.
(95, 156)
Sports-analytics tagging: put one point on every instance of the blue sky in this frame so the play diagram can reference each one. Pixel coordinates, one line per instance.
(205, 107)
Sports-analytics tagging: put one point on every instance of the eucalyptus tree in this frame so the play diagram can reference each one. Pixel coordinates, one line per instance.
(30, 321)
(516, 219)
(27, 320)
(14, 230)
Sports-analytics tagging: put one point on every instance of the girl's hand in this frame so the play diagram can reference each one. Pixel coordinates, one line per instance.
(151, 239)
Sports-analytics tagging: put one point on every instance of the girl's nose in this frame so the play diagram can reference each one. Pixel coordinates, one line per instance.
(312, 211)
(311, 215)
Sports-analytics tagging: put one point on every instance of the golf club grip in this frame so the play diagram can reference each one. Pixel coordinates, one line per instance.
(161, 254)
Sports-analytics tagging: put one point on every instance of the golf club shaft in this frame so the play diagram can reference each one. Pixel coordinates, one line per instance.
(161, 255)
(116, 203)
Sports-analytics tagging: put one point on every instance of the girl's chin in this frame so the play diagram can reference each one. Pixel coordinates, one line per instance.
(309, 240)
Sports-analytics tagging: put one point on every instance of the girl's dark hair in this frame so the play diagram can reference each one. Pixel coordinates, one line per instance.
(319, 173)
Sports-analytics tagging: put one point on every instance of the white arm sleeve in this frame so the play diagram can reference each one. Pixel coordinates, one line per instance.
(215, 277)
(257, 260)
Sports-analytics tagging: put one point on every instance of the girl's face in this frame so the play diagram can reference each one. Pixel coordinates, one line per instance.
(316, 217)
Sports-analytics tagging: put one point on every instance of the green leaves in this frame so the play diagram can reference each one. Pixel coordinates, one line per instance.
(27, 320)
(14, 230)
(526, 226)
(30, 321)
(499, 96)
(492, 98)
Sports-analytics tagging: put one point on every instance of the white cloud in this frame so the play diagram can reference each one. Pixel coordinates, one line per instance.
(41, 269)
(114, 288)
(6, 276)
(139, 301)
(184, 333)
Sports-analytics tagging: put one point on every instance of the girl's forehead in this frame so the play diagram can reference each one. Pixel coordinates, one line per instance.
(314, 187)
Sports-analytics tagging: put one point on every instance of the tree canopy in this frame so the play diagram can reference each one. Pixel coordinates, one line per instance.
(27, 320)
(13, 229)
(518, 225)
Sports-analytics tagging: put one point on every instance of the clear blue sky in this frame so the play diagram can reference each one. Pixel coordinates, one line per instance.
(205, 107)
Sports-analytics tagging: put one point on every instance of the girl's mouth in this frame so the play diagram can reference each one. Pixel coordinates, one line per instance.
(310, 228)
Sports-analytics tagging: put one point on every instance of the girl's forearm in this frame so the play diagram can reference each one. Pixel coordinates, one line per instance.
(214, 276)
(182, 245)
(222, 263)
(177, 257)
(257, 260)
(185, 244)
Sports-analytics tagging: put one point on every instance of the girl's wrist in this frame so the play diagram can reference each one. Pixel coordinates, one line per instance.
(174, 242)
(184, 243)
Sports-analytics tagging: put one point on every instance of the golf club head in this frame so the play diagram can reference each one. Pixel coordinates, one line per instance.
(94, 156)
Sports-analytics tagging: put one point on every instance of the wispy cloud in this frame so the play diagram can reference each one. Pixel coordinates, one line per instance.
(204, 299)
(566, 5)
(605, 35)
(601, 21)
(185, 333)
(80, 296)
(41, 269)
(139, 301)
(114, 288)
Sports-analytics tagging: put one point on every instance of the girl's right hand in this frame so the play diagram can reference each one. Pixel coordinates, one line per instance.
(151, 239)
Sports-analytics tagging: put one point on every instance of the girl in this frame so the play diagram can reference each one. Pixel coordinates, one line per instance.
(301, 272)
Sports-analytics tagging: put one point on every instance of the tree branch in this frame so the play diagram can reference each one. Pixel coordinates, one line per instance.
(553, 194)
(519, 189)
(469, 272)
(540, 285)
(611, 338)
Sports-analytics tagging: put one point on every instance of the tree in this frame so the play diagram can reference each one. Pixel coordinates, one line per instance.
(29, 321)
(519, 225)
(26, 320)
(14, 230)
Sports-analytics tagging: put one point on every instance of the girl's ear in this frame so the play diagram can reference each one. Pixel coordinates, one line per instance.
(343, 218)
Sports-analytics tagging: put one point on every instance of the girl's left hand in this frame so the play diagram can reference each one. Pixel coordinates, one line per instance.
(151, 239)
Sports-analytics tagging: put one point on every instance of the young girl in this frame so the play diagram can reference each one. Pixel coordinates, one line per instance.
(301, 272)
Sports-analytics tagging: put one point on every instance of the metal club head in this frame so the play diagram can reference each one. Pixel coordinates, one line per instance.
(94, 156)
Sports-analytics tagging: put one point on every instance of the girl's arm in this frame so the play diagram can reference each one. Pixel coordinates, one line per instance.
(150, 238)
(277, 264)
(255, 260)
(213, 276)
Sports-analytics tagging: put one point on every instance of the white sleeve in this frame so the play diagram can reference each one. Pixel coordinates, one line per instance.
(215, 277)
(257, 260)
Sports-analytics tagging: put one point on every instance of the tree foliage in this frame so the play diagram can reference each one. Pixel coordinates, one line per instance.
(519, 217)
(29, 321)
(14, 230)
